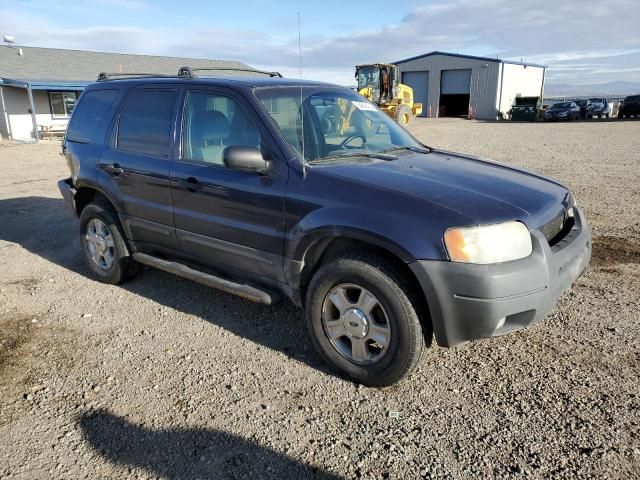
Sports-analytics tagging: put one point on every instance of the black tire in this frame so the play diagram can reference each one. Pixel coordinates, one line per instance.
(123, 267)
(396, 296)
(404, 115)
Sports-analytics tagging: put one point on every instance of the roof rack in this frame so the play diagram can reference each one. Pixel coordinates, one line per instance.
(102, 76)
(188, 72)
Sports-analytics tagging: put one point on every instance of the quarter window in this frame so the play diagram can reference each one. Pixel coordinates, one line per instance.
(62, 103)
(90, 113)
(212, 122)
(144, 125)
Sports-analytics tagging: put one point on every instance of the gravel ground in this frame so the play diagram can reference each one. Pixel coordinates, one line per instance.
(164, 378)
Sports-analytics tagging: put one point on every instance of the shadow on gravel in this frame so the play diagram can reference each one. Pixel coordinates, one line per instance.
(46, 228)
(188, 453)
(43, 226)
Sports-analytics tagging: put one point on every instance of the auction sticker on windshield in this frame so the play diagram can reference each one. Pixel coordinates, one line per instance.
(363, 106)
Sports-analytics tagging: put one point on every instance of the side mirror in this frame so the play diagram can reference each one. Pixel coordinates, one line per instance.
(250, 159)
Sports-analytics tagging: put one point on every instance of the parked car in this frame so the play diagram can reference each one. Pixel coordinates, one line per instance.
(600, 106)
(586, 108)
(384, 241)
(563, 111)
(630, 106)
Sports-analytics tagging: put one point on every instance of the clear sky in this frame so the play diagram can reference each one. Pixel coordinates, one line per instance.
(582, 41)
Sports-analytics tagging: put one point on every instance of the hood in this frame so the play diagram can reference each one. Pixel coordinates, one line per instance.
(480, 190)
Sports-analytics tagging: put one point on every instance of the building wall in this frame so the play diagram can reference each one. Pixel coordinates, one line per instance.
(16, 104)
(15, 119)
(484, 82)
(522, 81)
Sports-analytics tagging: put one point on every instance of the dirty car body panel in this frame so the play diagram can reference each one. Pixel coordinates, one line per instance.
(261, 227)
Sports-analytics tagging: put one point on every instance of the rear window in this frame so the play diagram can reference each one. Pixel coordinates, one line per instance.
(89, 114)
(633, 98)
(144, 126)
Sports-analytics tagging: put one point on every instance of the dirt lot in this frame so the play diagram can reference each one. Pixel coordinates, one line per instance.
(164, 378)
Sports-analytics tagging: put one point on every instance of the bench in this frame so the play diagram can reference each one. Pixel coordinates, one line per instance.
(51, 130)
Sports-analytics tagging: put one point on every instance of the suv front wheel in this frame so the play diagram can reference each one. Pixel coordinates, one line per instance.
(103, 244)
(362, 321)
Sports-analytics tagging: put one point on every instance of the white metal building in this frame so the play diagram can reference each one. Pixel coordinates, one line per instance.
(449, 84)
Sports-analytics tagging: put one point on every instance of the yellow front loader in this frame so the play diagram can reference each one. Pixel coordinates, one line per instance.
(379, 83)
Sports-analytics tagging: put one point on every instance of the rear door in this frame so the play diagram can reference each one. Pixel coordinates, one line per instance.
(136, 162)
(232, 220)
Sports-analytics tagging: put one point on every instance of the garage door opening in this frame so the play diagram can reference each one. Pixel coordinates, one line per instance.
(455, 87)
(454, 105)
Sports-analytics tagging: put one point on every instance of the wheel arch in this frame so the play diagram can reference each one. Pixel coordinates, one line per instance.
(328, 247)
(86, 194)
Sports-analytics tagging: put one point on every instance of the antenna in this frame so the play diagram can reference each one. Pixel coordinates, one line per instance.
(304, 161)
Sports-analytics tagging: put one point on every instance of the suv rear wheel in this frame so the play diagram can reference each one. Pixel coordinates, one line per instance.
(362, 321)
(103, 244)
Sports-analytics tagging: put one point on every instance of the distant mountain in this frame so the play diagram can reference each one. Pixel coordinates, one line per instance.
(609, 88)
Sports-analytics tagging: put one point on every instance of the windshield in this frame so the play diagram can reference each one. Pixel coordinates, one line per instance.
(368, 77)
(582, 103)
(633, 98)
(561, 106)
(337, 123)
(596, 100)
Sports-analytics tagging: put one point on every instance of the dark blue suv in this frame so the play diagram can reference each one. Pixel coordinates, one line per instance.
(266, 187)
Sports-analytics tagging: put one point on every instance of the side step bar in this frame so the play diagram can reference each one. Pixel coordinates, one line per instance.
(245, 291)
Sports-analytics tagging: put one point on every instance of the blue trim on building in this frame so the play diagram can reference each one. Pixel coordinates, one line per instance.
(45, 84)
(471, 57)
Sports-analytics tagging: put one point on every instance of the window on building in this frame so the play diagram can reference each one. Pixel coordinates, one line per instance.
(271, 104)
(145, 123)
(62, 103)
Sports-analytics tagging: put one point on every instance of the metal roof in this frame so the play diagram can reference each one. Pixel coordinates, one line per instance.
(53, 66)
(471, 57)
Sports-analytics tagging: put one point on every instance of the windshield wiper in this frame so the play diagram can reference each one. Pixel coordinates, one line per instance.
(379, 155)
(413, 149)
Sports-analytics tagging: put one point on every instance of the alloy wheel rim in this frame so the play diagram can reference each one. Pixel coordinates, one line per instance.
(356, 324)
(99, 244)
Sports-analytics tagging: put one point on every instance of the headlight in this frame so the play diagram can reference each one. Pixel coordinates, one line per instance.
(488, 243)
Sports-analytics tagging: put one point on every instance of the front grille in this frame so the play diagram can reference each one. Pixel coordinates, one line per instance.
(558, 227)
(554, 227)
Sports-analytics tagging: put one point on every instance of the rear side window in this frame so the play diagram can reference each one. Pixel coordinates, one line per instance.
(145, 123)
(89, 114)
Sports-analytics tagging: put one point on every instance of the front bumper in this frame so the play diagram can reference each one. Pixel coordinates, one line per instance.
(68, 194)
(468, 302)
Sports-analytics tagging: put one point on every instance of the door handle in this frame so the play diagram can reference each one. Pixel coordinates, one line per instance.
(114, 169)
(192, 184)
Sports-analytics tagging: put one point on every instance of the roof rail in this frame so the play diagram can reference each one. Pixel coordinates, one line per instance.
(188, 72)
(103, 76)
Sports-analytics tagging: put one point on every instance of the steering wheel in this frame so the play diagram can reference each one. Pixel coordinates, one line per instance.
(350, 138)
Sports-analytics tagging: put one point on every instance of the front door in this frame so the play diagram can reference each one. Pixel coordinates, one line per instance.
(135, 166)
(230, 219)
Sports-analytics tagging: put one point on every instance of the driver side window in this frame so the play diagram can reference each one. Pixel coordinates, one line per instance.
(210, 123)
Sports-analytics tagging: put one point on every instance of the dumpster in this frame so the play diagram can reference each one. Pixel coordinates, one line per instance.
(525, 109)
